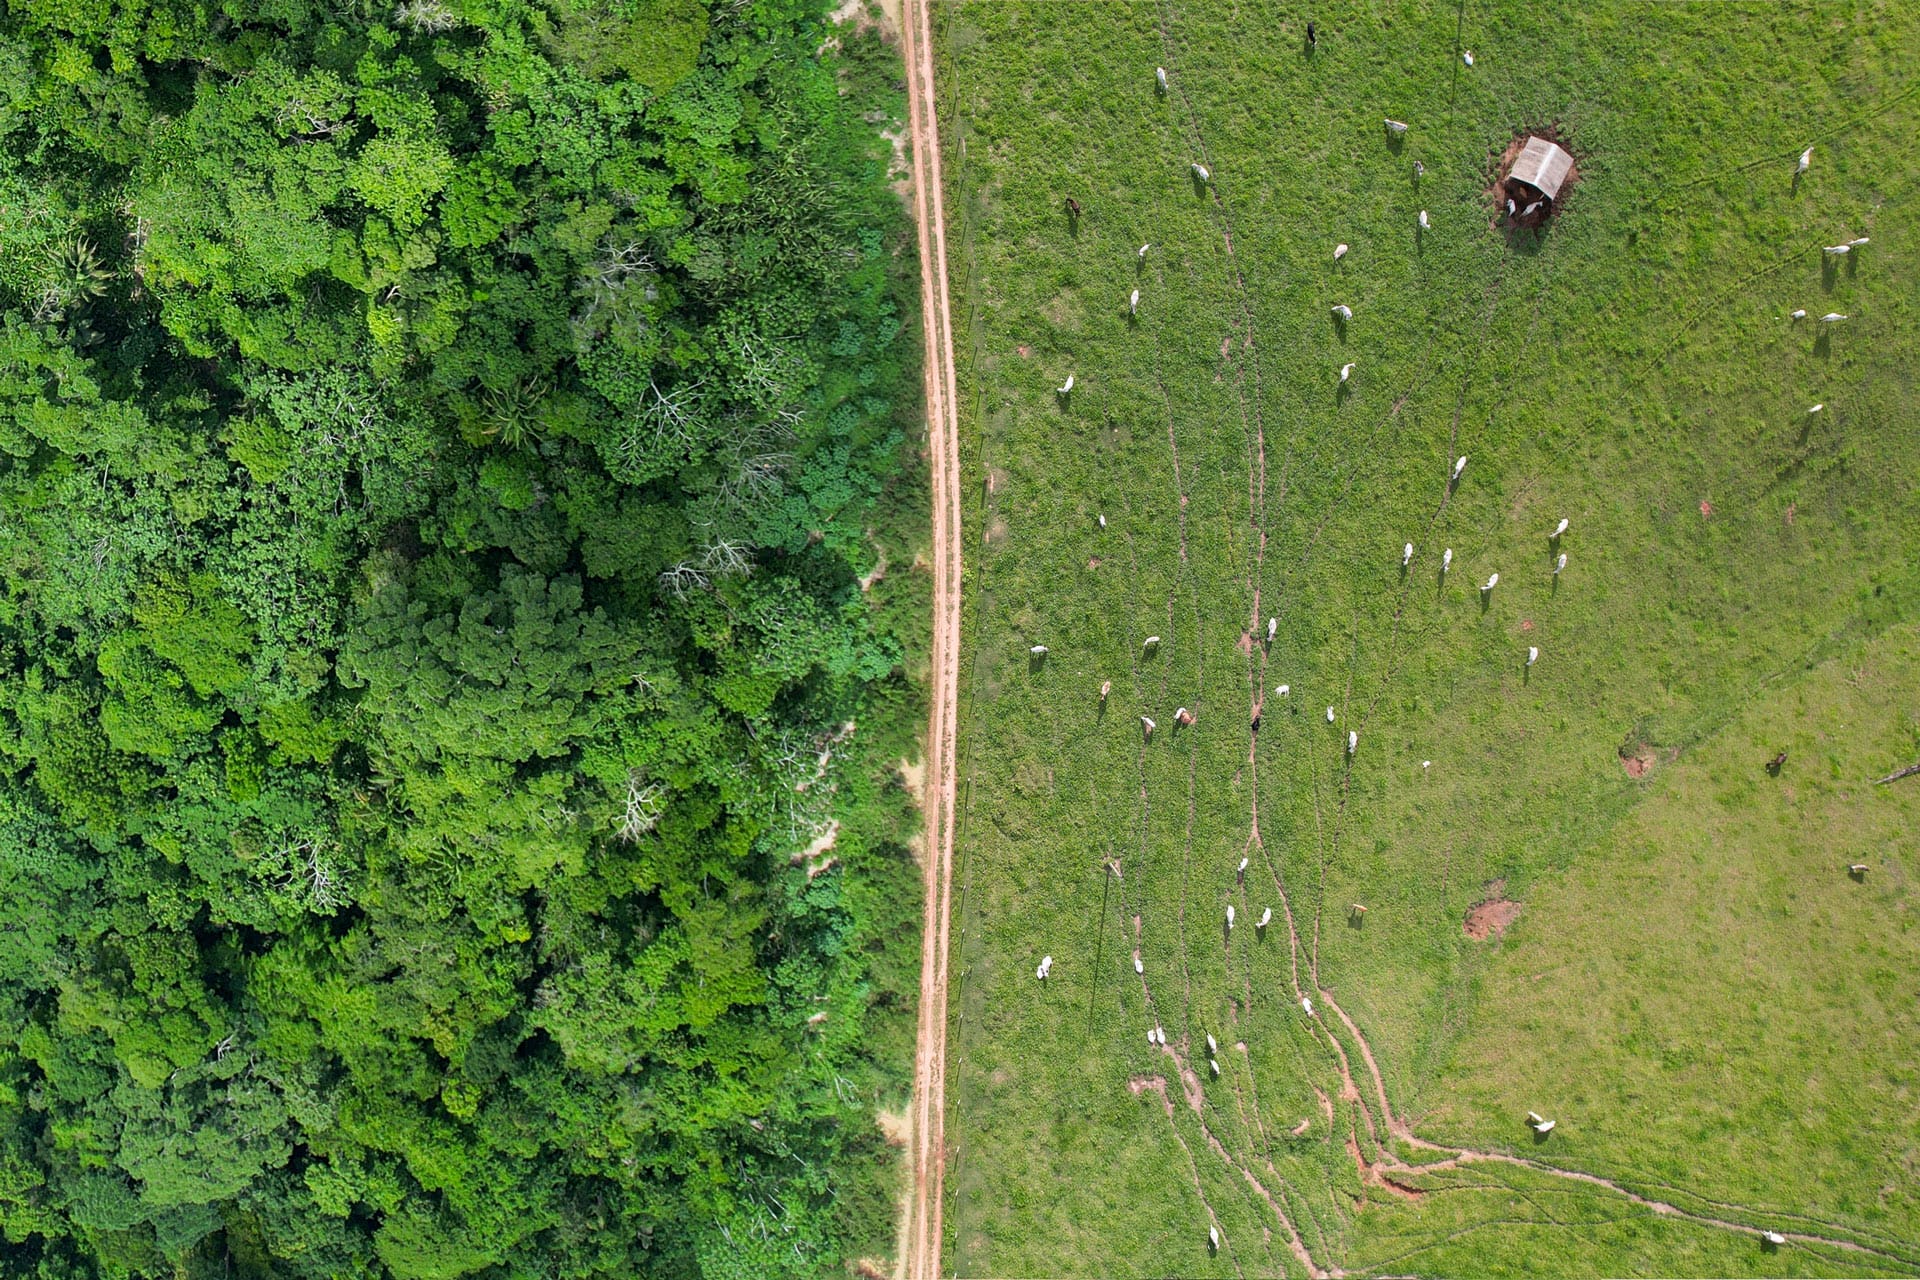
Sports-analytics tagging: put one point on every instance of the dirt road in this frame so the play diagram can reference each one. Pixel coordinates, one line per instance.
(928, 1141)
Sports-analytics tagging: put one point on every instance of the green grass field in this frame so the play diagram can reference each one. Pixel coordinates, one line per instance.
(1718, 1016)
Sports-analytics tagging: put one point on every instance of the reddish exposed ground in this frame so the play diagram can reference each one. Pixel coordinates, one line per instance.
(1492, 914)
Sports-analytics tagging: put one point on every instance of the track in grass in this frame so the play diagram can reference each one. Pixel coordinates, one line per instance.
(1237, 480)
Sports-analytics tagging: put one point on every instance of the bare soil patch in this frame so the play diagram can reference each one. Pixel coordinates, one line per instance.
(1246, 642)
(1140, 1084)
(1492, 914)
(1637, 760)
(895, 1126)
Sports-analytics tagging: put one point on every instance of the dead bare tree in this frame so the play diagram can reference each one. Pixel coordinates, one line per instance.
(646, 801)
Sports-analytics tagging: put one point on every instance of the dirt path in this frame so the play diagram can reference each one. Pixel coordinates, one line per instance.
(928, 1141)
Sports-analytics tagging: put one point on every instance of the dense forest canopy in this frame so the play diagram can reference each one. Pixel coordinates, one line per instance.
(446, 452)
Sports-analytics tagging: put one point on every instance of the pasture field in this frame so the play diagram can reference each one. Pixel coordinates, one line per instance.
(1722, 1021)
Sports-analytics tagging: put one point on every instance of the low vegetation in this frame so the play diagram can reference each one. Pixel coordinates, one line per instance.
(1739, 580)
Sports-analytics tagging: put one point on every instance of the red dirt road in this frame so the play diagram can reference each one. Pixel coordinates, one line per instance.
(928, 1127)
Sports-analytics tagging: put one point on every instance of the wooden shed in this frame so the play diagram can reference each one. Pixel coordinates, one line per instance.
(1538, 172)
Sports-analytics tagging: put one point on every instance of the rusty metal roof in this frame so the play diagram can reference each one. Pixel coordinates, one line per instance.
(1543, 165)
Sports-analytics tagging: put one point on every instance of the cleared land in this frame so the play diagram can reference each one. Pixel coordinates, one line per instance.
(1722, 1020)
